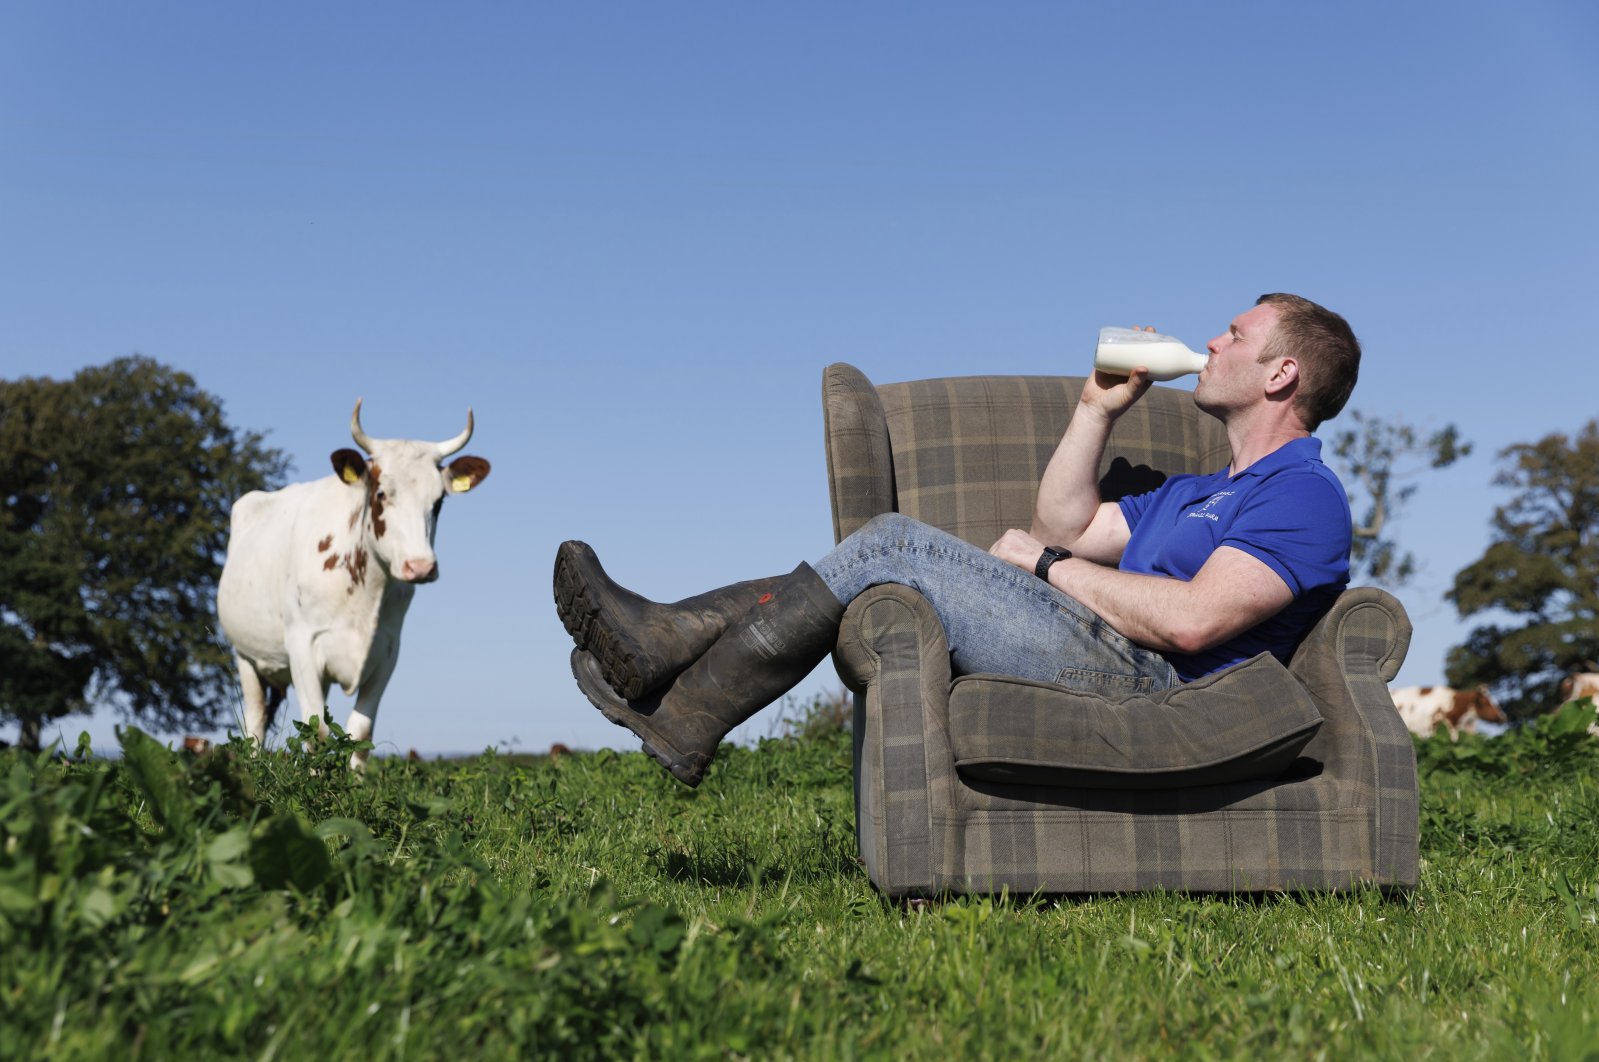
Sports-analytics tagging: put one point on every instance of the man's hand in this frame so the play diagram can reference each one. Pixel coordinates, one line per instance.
(1018, 548)
(1112, 395)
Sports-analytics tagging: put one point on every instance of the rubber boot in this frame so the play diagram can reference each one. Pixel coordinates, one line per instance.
(761, 656)
(641, 644)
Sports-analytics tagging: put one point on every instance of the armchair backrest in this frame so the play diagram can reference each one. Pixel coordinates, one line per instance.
(965, 454)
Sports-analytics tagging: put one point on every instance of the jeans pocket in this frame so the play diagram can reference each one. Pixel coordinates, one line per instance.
(1107, 682)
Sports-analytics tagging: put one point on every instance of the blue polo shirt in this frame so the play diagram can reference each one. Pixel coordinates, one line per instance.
(1287, 510)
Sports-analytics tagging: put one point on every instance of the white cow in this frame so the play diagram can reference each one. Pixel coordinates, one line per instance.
(1424, 707)
(319, 575)
(1580, 684)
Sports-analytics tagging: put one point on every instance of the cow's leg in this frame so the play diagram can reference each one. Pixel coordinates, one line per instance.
(364, 715)
(309, 686)
(256, 714)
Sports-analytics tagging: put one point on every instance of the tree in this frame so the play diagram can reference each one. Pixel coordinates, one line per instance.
(1541, 567)
(116, 487)
(1378, 458)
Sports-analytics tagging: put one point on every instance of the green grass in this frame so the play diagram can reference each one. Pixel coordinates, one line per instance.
(171, 906)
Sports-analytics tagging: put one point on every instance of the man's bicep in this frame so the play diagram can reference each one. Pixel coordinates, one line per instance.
(1106, 536)
(1239, 591)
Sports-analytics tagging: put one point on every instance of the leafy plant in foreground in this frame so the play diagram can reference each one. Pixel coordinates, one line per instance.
(1559, 743)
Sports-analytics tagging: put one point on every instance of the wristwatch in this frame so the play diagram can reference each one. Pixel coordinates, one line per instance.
(1050, 555)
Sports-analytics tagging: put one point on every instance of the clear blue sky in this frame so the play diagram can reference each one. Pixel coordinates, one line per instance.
(625, 233)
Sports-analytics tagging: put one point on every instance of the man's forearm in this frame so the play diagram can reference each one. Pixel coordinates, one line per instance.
(1150, 610)
(1068, 495)
(1233, 592)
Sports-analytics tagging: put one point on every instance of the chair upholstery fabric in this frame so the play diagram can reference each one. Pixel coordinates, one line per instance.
(966, 455)
(1244, 722)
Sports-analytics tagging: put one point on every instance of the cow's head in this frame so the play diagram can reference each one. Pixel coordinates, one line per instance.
(1486, 708)
(399, 491)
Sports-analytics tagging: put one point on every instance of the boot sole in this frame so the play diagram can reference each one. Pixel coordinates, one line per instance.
(580, 614)
(591, 680)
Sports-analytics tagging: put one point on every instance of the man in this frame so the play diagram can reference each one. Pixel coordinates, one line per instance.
(1127, 596)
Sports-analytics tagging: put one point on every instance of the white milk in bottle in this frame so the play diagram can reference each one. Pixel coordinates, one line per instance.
(1121, 350)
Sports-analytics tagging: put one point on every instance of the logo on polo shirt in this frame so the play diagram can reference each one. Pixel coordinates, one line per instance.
(1204, 511)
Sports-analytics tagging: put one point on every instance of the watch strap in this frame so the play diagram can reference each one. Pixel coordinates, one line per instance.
(1050, 555)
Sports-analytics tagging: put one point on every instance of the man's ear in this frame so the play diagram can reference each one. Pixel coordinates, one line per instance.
(349, 466)
(464, 473)
(1283, 378)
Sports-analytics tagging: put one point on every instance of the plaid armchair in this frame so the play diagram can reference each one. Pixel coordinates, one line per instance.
(1260, 778)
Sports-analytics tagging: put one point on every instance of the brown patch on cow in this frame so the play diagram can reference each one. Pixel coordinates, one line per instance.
(1476, 700)
(331, 563)
(322, 547)
(1425, 690)
(374, 498)
(355, 567)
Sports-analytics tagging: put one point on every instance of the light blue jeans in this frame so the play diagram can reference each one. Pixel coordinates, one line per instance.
(997, 618)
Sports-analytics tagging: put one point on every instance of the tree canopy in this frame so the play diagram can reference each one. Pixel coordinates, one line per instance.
(1538, 581)
(116, 486)
(1379, 458)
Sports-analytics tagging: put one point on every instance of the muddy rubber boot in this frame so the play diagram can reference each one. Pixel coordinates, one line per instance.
(760, 657)
(641, 644)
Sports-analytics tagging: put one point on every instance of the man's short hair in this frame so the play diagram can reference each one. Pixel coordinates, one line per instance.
(1326, 349)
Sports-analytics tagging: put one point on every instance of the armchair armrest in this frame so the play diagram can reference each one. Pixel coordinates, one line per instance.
(1366, 630)
(892, 653)
(1346, 662)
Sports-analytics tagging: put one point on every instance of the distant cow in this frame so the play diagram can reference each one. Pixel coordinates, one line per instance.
(319, 575)
(1575, 687)
(1424, 707)
(1579, 685)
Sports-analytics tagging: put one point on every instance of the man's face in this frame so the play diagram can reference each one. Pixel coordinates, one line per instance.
(1235, 376)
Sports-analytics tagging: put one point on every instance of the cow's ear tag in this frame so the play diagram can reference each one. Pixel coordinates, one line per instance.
(349, 465)
(464, 473)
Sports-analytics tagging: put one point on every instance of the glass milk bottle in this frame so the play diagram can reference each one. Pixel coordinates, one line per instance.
(1121, 350)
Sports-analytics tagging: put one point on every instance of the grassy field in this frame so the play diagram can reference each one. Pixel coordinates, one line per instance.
(165, 905)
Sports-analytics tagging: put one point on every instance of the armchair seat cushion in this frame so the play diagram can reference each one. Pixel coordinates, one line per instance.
(1242, 723)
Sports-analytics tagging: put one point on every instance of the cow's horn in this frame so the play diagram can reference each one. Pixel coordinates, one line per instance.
(450, 447)
(361, 438)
